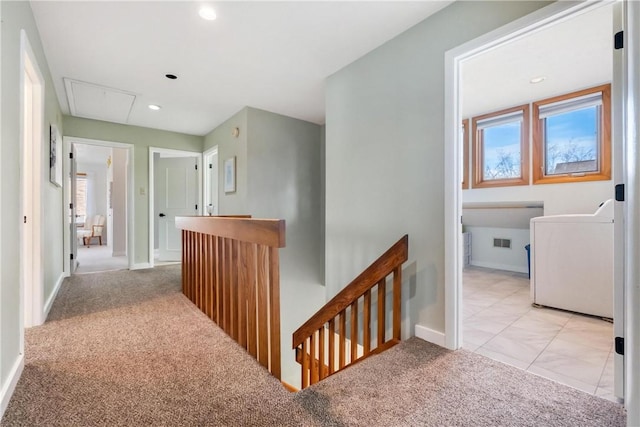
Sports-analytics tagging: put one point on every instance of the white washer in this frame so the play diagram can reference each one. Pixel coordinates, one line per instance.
(572, 261)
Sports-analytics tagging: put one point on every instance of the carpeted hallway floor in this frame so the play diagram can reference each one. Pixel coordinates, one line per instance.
(126, 348)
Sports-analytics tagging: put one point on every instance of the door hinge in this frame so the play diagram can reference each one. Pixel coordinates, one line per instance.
(618, 40)
(71, 256)
(70, 205)
(620, 345)
(619, 192)
(196, 167)
(71, 155)
(196, 207)
(210, 165)
(24, 220)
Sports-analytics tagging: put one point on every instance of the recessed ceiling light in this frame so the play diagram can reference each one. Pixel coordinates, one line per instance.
(537, 79)
(154, 107)
(207, 13)
(171, 76)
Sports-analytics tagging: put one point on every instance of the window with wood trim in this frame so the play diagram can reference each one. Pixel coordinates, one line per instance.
(465, 153)
(501, 148)
(572, 137)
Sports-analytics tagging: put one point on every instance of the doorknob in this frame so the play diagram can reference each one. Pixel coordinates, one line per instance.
(162, 215)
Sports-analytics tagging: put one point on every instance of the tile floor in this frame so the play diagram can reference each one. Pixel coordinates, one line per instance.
(500, 323)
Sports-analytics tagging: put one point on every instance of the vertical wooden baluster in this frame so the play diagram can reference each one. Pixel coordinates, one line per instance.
(243, 284)
(354, 331)
(314, 358)
(332, 346)
(381, 311)
(212, 277)
(343, 337)
(234, 290)
(256, 276)
(397, 301)
(305, 364)
(227, 286)
(321, 362)
(219, 279)
(274, 311)
(199, 270)
(192, 270)
(184, 261)
(262, 301)
(366, 321)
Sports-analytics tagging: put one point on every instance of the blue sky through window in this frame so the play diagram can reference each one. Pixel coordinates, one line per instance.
(571, 143)
(501, 150)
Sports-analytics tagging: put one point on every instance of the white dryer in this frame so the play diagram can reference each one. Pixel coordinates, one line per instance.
(572, 261)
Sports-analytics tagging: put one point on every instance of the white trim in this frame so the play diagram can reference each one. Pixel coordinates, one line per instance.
(429, 335)
(547, 16)
(497, 266)
(213, 151)
(52, 297)
(9, 385)
(67, 141)
(170, 152)
(29, 65)
(141, 266)
(631, 138)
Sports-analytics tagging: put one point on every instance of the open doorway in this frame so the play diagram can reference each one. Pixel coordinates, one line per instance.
(504, 89)
(99, 194)
(174, 180)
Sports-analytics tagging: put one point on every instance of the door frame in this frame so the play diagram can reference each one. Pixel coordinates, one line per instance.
(547, 16)
(31, 302)
(171, 153)
(67, 141)
(206, 181)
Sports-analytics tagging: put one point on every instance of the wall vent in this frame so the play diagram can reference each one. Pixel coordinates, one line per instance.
(501, 243)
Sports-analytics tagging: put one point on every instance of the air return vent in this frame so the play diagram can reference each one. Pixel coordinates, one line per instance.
(501, 243)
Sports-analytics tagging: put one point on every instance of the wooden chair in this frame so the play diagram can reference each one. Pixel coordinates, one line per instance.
(92, 228)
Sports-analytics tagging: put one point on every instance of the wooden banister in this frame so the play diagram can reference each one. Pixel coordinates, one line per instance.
(315, 340)
(230, 271)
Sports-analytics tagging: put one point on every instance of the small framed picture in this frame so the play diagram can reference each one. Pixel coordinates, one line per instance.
(230, 175)
(55, 165)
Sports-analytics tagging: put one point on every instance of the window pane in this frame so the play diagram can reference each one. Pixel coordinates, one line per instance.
(571, 142)
(81, 199)
(501, 151)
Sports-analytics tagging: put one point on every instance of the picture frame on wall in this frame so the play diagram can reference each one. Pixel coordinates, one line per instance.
(55, 164)
(230, 175)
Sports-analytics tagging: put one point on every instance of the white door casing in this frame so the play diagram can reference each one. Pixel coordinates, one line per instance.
(73, 226)
(176, 194)
(210, 181)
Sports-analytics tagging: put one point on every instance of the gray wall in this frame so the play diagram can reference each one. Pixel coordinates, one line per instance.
(385, 154)
(278, 168)
(142, 139)
(17, 16)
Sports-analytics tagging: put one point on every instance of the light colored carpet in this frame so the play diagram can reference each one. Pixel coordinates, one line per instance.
(127, 348)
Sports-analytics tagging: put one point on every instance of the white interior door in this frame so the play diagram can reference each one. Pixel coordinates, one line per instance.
(176, 194)
(73, 225)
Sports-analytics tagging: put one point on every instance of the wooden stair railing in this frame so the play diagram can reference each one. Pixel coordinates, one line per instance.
(230, 271)
(324, 344)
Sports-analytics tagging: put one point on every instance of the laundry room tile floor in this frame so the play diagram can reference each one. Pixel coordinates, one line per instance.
(499, 322)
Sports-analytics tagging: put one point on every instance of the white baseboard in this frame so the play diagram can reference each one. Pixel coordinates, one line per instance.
(141, 266)
(495, 266)
(52, 297)
(10, 385)
(430, 335)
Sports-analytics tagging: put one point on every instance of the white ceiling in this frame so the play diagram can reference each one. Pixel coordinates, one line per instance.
(269, 55)
(572, 55)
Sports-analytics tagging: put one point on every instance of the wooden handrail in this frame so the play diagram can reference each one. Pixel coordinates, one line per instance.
(315, 340)
(230, 271)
